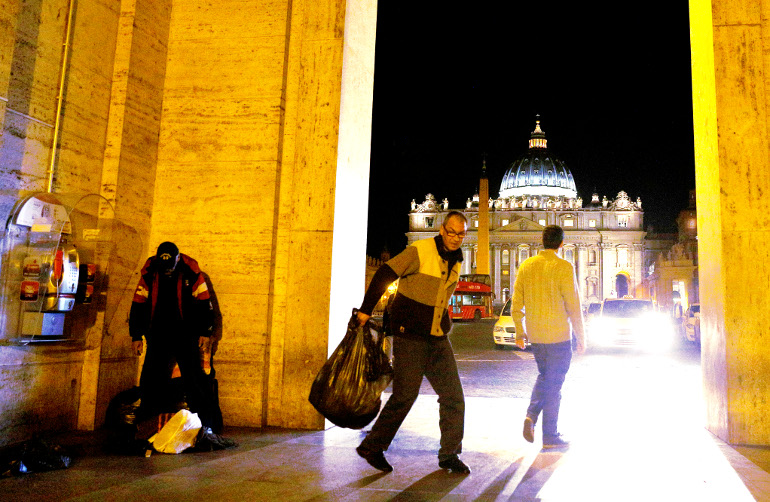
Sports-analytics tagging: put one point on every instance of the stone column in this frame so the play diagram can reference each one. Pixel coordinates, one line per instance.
(249, 109)
(608, 260)
(638, 267)
(582, 271)
(730, 78)
(467, 258)
(496, 277)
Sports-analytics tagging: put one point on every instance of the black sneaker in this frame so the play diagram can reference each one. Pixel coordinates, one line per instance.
(529, 430)
(375, 458)
(455, 465)
(555, 442)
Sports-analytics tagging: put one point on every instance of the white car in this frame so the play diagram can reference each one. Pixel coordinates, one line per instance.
(691, 324)
(630, 322)
(504, 332)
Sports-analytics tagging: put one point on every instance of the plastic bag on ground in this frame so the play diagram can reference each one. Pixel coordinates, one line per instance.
(32, 456)
(347, 389)
(178, 434)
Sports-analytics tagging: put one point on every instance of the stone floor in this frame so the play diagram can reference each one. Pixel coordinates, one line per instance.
(645, 458)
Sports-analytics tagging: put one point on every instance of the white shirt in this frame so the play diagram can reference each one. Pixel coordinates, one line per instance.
(546, 285)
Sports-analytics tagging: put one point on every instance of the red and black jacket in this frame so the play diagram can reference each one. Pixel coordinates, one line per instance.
(193, 299)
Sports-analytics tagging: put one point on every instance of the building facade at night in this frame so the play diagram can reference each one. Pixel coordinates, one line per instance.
(603, 238)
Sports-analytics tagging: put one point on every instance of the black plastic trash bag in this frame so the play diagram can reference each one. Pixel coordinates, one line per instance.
(121, 423)
(35, 455)
(347, 389)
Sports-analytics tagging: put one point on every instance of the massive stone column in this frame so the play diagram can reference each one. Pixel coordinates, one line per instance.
(262, 175)
(729, 67)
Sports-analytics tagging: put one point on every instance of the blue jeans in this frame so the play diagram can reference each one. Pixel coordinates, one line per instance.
(553, 360)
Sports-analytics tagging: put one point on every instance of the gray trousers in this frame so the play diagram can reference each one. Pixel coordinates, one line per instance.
(412, 358)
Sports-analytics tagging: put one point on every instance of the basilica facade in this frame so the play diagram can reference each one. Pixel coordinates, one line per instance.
(603, 238)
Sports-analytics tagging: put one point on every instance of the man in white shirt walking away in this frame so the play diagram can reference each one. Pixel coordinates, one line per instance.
(546, 289)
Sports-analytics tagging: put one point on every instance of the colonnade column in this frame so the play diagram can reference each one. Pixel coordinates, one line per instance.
(730, 125)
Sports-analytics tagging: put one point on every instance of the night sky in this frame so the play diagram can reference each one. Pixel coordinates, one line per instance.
(454, 86)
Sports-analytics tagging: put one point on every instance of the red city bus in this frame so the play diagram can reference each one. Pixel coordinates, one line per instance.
(473, 298)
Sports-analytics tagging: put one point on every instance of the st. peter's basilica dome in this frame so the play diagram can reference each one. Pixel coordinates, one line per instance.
(538, 173)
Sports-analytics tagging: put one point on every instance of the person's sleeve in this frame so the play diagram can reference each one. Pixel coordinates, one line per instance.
(517, 301)
(571, 297)
(383, 278)
(405, 263)
(204, 310)
(139, 316)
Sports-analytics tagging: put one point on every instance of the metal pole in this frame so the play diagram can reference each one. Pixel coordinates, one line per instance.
(60, 98)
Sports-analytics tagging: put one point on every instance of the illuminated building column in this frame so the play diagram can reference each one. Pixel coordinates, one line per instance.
(638, 265)
(582, 270)
(609, 262)
(730, 124)
(467, 259)
(496, 278)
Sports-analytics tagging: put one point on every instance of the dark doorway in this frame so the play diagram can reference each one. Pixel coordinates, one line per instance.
(621, 285)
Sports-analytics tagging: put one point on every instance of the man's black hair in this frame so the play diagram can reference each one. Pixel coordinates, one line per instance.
(553, 236)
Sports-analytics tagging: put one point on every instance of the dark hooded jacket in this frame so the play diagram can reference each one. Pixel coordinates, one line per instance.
(192, 295)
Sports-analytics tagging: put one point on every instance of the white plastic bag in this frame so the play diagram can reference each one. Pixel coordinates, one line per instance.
(178, 434)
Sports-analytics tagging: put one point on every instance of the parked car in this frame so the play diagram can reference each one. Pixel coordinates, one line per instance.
(691, 324)
(630, 322)
(504, 332)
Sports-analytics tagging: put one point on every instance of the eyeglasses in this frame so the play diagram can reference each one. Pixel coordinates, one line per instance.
(452, 234)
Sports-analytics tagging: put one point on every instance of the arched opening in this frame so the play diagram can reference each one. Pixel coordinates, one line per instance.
(621, 285)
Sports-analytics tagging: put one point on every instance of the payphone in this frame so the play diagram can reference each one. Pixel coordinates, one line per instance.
(42, 271)
(48, 287)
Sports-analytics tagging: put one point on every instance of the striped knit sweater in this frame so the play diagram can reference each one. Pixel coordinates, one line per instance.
(425, 287)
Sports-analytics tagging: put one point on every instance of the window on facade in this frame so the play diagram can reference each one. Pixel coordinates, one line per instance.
(429, 222)
(592, 223)
(622, 257)
(623, 221)
(505, 222)
(476, 223)
(592, 288)
(523, 254)
(542, 222)
(592, 256)
(506, 257)
(568, 223)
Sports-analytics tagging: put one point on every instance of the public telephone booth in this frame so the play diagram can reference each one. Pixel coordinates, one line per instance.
(56, 253)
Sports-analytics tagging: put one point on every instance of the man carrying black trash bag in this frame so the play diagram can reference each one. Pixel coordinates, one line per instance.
(428, 271)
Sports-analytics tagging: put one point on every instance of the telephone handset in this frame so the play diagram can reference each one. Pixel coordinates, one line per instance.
(57, 275)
